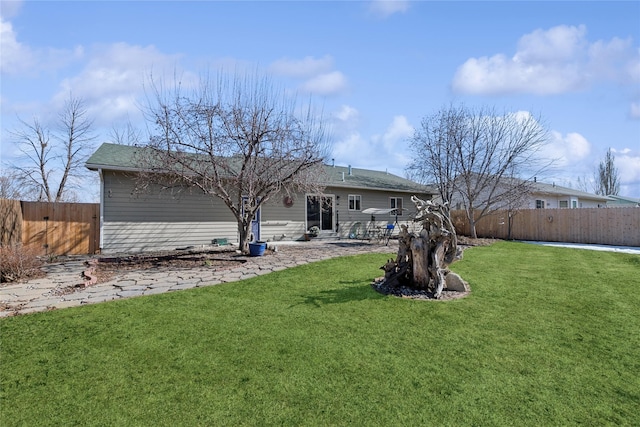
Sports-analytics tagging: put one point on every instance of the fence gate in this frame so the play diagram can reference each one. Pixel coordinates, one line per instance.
(61, 228)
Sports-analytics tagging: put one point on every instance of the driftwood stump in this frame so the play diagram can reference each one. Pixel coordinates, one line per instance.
(423, 257)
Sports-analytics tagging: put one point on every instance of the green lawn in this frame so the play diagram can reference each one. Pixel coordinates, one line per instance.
(548, 336)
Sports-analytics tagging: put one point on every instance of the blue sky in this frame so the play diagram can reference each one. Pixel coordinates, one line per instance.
(376, 68)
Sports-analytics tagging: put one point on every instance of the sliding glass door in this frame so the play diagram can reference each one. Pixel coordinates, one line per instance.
(321, 212)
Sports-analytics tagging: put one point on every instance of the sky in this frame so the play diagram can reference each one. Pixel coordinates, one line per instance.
(375, 68)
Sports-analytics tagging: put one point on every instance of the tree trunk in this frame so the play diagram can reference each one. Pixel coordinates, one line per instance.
(472, 223)
(419, 246)
(423, 257)
(438, 266)
(245, 231)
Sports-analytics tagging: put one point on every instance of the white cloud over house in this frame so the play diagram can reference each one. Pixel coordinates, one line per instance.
(317, 74)
(385, 151)
(565, 150)
(554, 61)
(113, 79)
(627, 161)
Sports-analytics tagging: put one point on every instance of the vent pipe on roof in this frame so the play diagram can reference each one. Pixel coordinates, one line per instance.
(350, 173)
(333, 163)
(535, 179)
(342, 176)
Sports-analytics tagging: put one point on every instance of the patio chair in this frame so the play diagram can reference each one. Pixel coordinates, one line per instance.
(355, 231)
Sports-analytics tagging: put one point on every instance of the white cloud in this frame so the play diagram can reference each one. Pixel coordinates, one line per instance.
(16, 57)
(113, 79)
(302, 68)
(345, 121)
(11, 8)
(386, 151)
(567, 149)
(20, 59)
(319, 79)
(556, 45)
(386, 8)
(552, 61)
(396, 133)
(346, 114)
(326, 84)
(628, 164)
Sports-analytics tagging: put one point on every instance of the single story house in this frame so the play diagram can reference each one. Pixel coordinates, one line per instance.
(554, 196)
(546, 196)
(131, 221)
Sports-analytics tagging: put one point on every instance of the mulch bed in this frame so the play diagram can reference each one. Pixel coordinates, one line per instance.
(105, 268)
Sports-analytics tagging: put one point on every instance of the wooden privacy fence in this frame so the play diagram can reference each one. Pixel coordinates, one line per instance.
(10, 222)
(52, 228)
(605, 226)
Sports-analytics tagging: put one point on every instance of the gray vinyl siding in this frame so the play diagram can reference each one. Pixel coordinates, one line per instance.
(165, 220)
(160, 220)
(289, 223)
(371, 199)
(279, 222)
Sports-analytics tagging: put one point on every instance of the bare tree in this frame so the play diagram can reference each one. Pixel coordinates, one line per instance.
(237, 138)
(434, 149)
(487, 154)
(585, 184)
(53, 157)
(607, 179)
(10, 187)
(127, 135)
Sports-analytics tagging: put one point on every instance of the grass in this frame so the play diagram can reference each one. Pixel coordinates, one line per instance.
(549, 336)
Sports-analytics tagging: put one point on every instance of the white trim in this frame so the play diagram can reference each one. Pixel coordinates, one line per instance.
(101, 243)
(357, 206)
(334, 211)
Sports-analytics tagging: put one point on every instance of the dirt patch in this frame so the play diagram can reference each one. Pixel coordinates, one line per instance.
(380, 286)
(467, 242)
(106, 268)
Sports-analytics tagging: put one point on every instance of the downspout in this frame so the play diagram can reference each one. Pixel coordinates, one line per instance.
(101, 244)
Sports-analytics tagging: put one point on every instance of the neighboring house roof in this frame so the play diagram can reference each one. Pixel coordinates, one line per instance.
(556, 190)
(122, 158)
(623, 201)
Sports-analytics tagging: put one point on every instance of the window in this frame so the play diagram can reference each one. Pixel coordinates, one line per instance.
(355, 202)
(564, 203)
(539, 204)
(395, 203)
(574, 204)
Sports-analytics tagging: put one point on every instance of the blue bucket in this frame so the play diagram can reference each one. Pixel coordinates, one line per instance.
(257, 248)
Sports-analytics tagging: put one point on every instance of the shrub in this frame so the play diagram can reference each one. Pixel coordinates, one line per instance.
(18, 262)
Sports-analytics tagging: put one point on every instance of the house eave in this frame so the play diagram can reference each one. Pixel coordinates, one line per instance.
(97, 167)
(362, 187)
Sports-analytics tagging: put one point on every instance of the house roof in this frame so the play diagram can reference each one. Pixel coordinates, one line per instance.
(113, 157)
(624, 200)
(122, 158)
(557, 190)
(348, 177)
